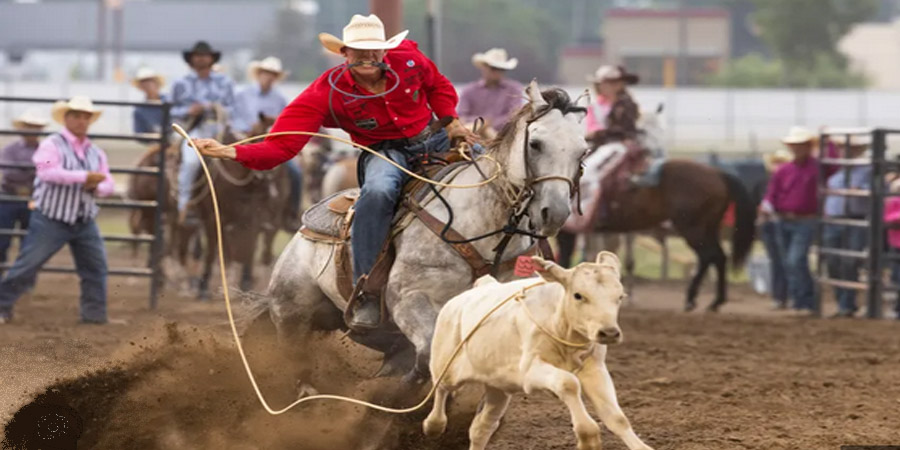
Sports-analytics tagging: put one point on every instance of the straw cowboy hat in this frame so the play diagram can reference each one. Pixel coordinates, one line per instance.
(496, 58)
(29, 118)
(201, 47)
(269, 64)
(362, 33)
(146, 73)
(76, 103)
(613, 73)
(799, 135)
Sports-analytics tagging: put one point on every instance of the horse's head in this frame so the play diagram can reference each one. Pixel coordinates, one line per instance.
(545, 145)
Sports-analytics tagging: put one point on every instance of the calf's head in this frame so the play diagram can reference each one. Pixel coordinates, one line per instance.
(593, 295)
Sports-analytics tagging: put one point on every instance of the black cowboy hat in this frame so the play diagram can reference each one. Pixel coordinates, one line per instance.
(201, 47)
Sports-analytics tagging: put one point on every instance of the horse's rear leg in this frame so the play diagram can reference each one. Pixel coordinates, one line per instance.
(720, 261)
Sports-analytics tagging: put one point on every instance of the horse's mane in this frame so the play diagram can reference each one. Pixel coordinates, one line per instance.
(556, 98)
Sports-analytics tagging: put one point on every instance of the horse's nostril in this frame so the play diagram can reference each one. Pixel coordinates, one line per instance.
(545, 214)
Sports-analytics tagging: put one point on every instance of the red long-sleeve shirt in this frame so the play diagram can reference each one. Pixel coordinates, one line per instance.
(403, 113)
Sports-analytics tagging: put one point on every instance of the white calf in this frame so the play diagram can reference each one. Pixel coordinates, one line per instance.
(555, 341)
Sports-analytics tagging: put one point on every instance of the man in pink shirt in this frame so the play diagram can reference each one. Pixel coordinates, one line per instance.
(71, 173)
(792, 200)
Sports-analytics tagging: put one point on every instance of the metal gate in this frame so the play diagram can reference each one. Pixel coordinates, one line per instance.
(152, 268)
(875, 252)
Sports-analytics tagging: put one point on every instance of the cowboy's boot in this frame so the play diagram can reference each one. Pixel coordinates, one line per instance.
(366, 313)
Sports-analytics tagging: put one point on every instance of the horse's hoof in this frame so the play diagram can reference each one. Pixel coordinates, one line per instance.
(415, 378)
(714, 308)
(203, 296)
(688, 307)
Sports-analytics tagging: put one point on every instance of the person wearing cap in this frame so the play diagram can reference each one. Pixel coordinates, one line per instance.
(613, 115)
(494, 97)
(18, 182)
(193, 98)
(71, 173)
(792, 199)
(262, 98)
(148, 119)
(846, 237)
(385, 96)
(768, 234)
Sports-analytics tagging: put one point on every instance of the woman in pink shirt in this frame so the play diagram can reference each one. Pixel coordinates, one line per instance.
(613, 115)
(892, 220)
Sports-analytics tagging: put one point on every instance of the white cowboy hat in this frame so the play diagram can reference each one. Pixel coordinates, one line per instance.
(612, 73)
(798, 135)
(496, 58)
(362, 33)
(30, 117)
(76, 103)
(146, 73)
(269, 64)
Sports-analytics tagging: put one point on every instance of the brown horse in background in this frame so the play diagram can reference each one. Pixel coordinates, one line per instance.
(248, 200)
(694, 197)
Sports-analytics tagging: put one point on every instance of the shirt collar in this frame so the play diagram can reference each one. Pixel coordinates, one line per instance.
(72, 140)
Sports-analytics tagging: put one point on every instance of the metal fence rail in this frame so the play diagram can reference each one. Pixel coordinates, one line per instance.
(873, 255)
(156, 241)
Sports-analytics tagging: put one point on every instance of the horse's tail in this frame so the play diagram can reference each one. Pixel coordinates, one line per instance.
(254, 309)
(744, 220)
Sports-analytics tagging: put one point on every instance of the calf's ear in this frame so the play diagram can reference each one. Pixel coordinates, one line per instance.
(610, 259)
(550, 271)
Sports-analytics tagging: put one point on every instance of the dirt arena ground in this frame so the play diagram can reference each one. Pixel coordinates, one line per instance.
(747, 378)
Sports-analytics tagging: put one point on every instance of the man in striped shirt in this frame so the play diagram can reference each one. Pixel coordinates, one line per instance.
(71, 173)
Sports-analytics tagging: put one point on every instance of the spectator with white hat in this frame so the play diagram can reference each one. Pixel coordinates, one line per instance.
(71, 173)
(792, 199)
(18, 181)
(148, 119)
(494, 97)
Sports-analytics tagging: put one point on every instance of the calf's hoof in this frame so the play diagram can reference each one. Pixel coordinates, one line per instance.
(434, 427)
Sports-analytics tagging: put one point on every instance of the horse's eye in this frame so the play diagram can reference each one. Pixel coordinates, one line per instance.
(536, 145)
(578, 297)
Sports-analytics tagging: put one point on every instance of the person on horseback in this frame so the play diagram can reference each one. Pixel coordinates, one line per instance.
(613, 115)
(148, 119)
(494, 97)
(385, 95)
(193, 98)
(259, 99)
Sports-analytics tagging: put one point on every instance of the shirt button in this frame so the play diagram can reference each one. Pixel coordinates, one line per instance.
(387, 103)
(395, 118)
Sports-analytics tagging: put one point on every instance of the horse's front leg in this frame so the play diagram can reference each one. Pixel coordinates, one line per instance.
(598, 387)
(415, 316)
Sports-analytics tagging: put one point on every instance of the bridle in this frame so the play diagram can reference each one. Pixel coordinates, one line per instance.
(518, 198)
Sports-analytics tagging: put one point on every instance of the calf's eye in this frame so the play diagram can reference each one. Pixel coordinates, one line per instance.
(578, 297)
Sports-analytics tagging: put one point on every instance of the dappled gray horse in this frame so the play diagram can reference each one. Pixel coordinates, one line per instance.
(539, 152)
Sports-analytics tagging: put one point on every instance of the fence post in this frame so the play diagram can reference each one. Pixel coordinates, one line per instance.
(876, 230)
(162, 194)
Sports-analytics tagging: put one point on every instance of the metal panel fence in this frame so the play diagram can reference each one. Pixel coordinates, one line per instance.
(152, 268)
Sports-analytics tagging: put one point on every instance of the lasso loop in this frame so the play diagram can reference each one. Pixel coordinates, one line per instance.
(237, 340)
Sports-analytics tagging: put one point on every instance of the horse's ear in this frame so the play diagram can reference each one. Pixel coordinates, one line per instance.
(583, 102)
(534, 94)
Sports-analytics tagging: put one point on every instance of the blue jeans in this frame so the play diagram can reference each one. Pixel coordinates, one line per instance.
(768, 233)
(45, 238)
(846, 238)
(381, 189)
(794, 239)
(10, 215)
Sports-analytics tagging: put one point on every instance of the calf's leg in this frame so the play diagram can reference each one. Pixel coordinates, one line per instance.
(566, 386)
(598, 386)
(436, 422)
(487, 420)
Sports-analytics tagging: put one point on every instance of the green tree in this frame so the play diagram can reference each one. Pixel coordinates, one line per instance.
(754, 71)
(803, 33)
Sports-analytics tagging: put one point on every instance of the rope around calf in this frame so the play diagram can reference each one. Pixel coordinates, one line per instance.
(518, 296)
